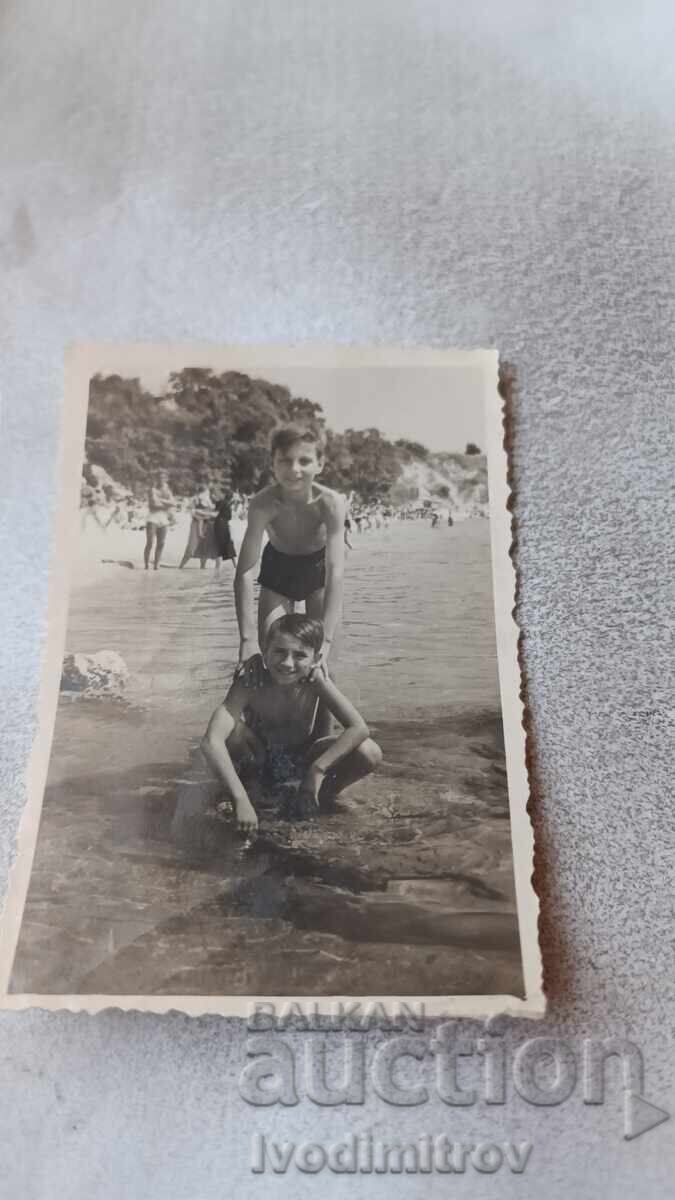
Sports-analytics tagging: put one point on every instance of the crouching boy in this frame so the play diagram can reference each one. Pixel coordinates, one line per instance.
(272, 741)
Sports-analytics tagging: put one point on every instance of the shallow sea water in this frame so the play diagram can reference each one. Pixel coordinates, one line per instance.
(418, 632)
(116, 905)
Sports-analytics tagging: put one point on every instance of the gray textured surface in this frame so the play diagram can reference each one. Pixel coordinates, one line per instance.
(380, 171)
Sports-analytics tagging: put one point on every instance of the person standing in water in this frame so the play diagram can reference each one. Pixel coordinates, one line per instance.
(161, 503)
(201, 543)
(221, 529)
(303, 559)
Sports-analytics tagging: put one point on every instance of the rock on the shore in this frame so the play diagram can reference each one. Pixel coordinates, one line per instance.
(102, 674)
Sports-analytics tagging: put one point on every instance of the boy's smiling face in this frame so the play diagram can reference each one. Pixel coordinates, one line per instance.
(287, 659)
(297, 466)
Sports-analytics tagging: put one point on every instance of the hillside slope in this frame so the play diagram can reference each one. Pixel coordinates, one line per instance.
(457, 482)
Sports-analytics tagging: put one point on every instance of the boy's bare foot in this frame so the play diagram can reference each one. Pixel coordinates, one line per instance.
(247, 818)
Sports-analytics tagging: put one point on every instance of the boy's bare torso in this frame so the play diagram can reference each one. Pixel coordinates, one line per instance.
(297, 527)
(287, 715)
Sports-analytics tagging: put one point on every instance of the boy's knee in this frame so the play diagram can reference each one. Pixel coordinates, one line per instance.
(371, 754)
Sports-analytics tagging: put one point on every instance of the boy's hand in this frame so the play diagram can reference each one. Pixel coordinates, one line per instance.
(318, 672)
(247, 817)
(251, 670)
(320, 669)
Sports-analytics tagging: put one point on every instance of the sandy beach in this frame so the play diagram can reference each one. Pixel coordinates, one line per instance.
(100, 545)
(406, 888)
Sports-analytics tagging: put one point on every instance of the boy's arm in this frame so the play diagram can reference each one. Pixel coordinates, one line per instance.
(354, 731)
(243, 579)
(335, 562)
(217, 755)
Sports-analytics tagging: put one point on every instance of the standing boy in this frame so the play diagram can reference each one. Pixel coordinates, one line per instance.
(304, 557)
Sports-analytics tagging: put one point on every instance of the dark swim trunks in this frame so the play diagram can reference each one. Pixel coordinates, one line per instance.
(294, 576)
(282, 772)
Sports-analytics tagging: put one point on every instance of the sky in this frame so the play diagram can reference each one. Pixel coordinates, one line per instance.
(440, 407)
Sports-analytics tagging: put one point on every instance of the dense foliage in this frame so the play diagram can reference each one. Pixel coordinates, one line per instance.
(217, 428)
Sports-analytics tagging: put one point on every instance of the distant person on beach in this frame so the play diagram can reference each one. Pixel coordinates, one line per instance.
(270, 740)
(87, 503)
(201, 541)
(161, 504)
(304, 557)
(111, 505)
(221, 529)
(348, 529)
(99, 503)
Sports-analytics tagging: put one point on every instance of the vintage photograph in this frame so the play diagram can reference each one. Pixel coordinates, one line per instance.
(281, 748)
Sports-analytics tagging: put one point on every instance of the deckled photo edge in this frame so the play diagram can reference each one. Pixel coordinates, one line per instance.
(513, 711)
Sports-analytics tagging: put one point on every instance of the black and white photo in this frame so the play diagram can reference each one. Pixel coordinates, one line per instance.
(281, 748)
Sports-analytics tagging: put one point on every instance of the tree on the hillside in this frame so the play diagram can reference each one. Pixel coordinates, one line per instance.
(362, 460)
(472, 448)
(300, 411)
(218, 427)
(412, 449)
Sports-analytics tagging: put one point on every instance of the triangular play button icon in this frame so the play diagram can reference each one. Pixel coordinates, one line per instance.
(640, 1115)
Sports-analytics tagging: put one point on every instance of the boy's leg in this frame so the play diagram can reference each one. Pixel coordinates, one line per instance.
(161, 539)
(314, 608)
(314, 604)
(149, 542)
(270, 606)
(361, 762)
(244, 746)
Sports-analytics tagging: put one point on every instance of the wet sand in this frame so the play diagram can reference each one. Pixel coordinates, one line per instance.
(406, 888)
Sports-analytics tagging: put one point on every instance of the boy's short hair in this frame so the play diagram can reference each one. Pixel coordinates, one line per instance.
(305, 629)
(285, 436)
